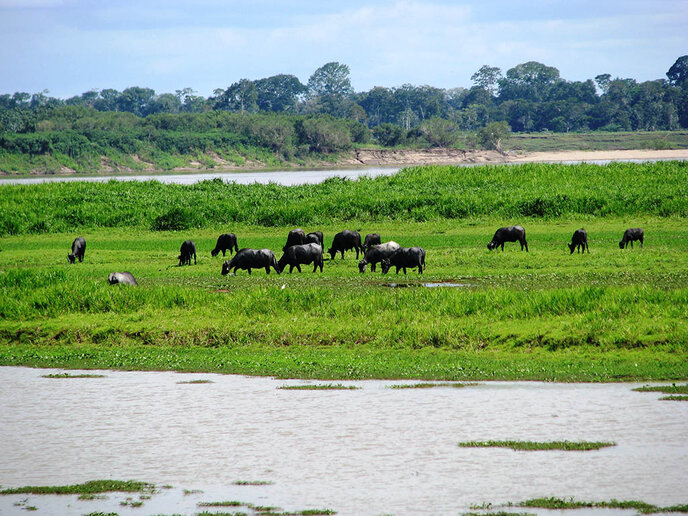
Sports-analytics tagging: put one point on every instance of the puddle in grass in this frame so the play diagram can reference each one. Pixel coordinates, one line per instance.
(374, 450)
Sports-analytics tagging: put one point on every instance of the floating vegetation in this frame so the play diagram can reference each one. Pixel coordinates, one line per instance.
(195, 382)
(188, 492)
(570, 503)
(92, 496)
(320, 387)
(253, 482)
(68, 375)
(674, 398)
(91, 487)
(499, 513)
(666, 389)
(535, 446)
(455, 385)
(232, 503)
(130, 502)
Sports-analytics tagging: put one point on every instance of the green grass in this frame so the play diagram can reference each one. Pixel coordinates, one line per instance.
(610, 315)
(454, 385)
(666, 389)
(253, 483)
(674, 398)
(231, 503)
(598, 140)
(641, 507)
(319, 387)
(194, 382)
(538, 446)
(91, 487)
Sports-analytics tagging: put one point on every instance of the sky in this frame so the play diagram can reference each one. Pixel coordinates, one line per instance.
(72, 46)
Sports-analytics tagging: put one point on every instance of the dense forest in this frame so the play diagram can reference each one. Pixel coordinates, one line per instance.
(279, 118)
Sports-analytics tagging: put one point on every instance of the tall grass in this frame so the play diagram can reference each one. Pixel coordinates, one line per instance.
(415, 194)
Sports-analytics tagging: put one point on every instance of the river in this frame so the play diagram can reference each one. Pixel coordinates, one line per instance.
(370, 451)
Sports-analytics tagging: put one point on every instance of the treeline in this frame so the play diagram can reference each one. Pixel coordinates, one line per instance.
(414, 194)
(528, 97)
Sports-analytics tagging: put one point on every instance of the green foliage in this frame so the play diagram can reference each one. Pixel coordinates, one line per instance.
(491, 136)
(389, 135)
(666, 389)
(91, 487)
(536, 446)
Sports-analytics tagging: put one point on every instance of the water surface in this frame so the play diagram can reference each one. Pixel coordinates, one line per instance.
(372, 451)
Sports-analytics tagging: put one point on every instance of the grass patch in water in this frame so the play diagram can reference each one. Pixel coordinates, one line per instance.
(666, 389)
(499, 513)
(560, 503)
(536, 446)
(674, 398)
(194, 382)
(253, 482)
(68, 375)
(91, 496)
(320, 387)
(91, 487)
(231, 503)
(455, 385)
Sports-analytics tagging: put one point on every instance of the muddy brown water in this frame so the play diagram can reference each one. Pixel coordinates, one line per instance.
(374, 450)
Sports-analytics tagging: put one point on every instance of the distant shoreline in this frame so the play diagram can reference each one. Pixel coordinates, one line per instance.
(405, 158)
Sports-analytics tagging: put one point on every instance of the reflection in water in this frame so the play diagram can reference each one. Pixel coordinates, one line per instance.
(369, 451)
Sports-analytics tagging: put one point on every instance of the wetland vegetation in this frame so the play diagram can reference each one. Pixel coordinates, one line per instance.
(611, 315)
(538, 446)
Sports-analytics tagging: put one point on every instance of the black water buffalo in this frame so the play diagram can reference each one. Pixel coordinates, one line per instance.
(78, 250)
(122, 278)
(509, 234)
(316, 237)
(224, 242)
(631, 235)
(376, 254)
(187, 250)
(295, 237)
(247, 259)
(344, 241)
(371, 239)
(298, 255)
(405, 257)
(579, 240)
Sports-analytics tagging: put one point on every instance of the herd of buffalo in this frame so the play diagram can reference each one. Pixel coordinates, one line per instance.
(305, 249)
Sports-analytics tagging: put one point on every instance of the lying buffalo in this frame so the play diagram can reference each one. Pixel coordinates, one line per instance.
(78, 250)
(509, 234)
(630, 236)
(345, 241)
(224, 242)
(187, 250)
(247, 259)
(316, 237)
(376, 254)
(405, 257)
(579, 240)
(298, 255)
(295, 237)
(121, 278)
(371, 239)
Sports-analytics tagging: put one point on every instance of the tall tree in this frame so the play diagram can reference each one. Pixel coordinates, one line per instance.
(528, 81)
(241, 96)
(330, 87)
(678, 73)
(279, 93)
(487, 77)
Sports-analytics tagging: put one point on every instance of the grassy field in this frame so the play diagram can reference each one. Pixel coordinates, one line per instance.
(607, 315)
(544, 315)
(598, 140)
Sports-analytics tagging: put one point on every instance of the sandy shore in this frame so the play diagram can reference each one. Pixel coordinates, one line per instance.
(601, 155)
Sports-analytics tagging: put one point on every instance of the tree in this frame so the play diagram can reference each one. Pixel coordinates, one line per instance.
(241, 96)
(439, 132)
(603, 81)
(135, 100)
(330, 87)
(279, 93)
(491, 136)
(389, 135)
(678, 73)
(487, 77)
(528, 81)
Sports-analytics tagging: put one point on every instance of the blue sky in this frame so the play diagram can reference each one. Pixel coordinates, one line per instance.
(72, 46)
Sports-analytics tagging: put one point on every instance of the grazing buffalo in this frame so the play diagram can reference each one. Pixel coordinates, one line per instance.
(316, 237)
(78, 250)
(631, 235)
(297, 255)
(224, 242)
(579, 240)
(371, 239)
(405, 257)
(121, 278)
(509, 234)
(247, 259)
(376, 254)
(187, 250)
(345, 241)
(295, 237)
